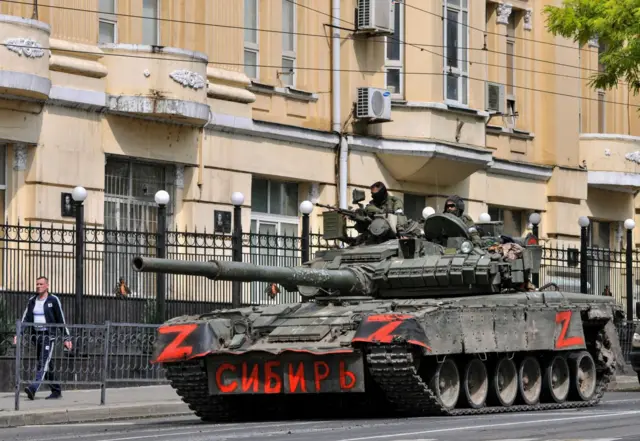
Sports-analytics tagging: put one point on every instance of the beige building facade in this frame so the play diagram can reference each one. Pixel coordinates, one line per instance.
(271, 98)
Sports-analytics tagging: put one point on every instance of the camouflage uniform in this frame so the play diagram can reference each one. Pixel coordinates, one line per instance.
(459, 211)
(390, 205)
(382, 202)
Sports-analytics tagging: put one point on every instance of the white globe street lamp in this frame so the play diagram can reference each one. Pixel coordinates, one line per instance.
(237, 198)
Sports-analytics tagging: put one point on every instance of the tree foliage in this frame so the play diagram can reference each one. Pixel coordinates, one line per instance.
(615, 23)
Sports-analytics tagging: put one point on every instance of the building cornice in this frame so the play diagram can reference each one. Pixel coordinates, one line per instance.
(521, 170)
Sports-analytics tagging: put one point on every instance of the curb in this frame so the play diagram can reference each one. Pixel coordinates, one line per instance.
(94, 414)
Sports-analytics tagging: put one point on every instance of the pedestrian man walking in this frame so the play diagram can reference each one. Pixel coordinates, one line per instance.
(45, 308)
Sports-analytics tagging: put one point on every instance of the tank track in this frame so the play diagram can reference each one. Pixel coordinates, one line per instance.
(393, 368)
(397, 388)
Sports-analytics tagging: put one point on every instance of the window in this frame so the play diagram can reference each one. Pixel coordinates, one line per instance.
(129, 206)
(599, 234)
(288, 43)
(511, 50)
(395, 53)
(251, 38)
(456, 70)
(274, 213)
(413, 206)
(601, 112)
(511, 219)
(150, 33)
(511, 71)
(107, 22)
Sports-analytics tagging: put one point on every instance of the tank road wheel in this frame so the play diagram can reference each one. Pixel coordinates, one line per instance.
(503, 386)
(583, 375)
(556, 380)
(476, 383)
(530, 380)
(445, 383)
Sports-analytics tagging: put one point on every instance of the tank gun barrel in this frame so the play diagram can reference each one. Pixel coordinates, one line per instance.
(344, 279)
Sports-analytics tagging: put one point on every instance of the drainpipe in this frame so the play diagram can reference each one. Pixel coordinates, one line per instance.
(336, 117)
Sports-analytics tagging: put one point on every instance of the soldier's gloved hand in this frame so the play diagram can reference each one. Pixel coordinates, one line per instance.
(399, 211)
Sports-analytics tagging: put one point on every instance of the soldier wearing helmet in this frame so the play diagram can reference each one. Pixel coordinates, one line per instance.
(455, 205)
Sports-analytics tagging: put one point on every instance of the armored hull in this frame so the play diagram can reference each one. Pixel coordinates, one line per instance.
(402, 327)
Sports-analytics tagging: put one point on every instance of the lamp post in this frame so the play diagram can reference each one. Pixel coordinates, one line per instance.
(629, 225)
(584, 222)
(79, 194)
(162, 199)
(237, 199)
(306, 207)
(534, 220)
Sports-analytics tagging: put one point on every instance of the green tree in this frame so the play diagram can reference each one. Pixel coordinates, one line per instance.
(615, 23)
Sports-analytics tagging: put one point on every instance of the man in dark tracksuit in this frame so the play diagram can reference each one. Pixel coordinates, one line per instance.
(45, 308)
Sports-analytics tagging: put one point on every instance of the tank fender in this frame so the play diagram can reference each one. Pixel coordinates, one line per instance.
(183, 341)
(391, 328)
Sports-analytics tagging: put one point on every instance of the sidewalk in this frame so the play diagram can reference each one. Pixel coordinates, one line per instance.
(127, 403)
(84, 406)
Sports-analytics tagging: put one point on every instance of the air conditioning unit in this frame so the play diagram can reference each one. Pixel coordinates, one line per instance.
(495, 98)
(373, 104)
(376, 17)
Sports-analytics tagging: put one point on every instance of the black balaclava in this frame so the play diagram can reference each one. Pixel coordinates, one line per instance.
(381, 195)
(458, 202)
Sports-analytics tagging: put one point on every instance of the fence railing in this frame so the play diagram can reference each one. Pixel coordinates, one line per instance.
(113, 291)
(84, 357)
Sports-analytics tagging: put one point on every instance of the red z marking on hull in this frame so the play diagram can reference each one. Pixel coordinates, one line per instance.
(173, 349)
(564, 317)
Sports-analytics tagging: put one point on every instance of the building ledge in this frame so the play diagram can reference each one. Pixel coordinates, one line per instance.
(286, 92)
(26, 85)
(90, 100)
(523, 170)
(247, 126)
(162, 109)
(229, 85)
(512, 133)
(614, 181)
(445, 107)
(424, 162)
(610, 137)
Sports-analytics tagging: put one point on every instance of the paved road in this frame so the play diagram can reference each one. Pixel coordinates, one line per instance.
(617, 418)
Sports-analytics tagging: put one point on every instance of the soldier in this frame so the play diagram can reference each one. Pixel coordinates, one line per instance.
(455, 205)
(383, 202)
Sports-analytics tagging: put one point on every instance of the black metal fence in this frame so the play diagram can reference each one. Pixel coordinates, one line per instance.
(113, 291)
(91, 356)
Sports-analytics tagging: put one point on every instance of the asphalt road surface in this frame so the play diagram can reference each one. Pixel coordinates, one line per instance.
(616, 418)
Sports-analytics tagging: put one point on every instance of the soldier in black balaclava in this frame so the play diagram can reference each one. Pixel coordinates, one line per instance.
(382, 201)
(455, 205)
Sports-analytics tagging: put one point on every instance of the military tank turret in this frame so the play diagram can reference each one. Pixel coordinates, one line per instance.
(412, 321)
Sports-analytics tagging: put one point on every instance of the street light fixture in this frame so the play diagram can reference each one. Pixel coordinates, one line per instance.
(428, 211)
(629, 224)
(583, 221)
(162, 197)
(484, 218)
(237, 198)
(534, 219)
(79, 194)
(306, 207)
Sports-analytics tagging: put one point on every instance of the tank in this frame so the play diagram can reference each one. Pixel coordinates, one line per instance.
(407, 318)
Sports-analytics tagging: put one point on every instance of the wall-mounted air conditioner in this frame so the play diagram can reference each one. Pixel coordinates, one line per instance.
(375, 17)
(495, 100)
(373, 104)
